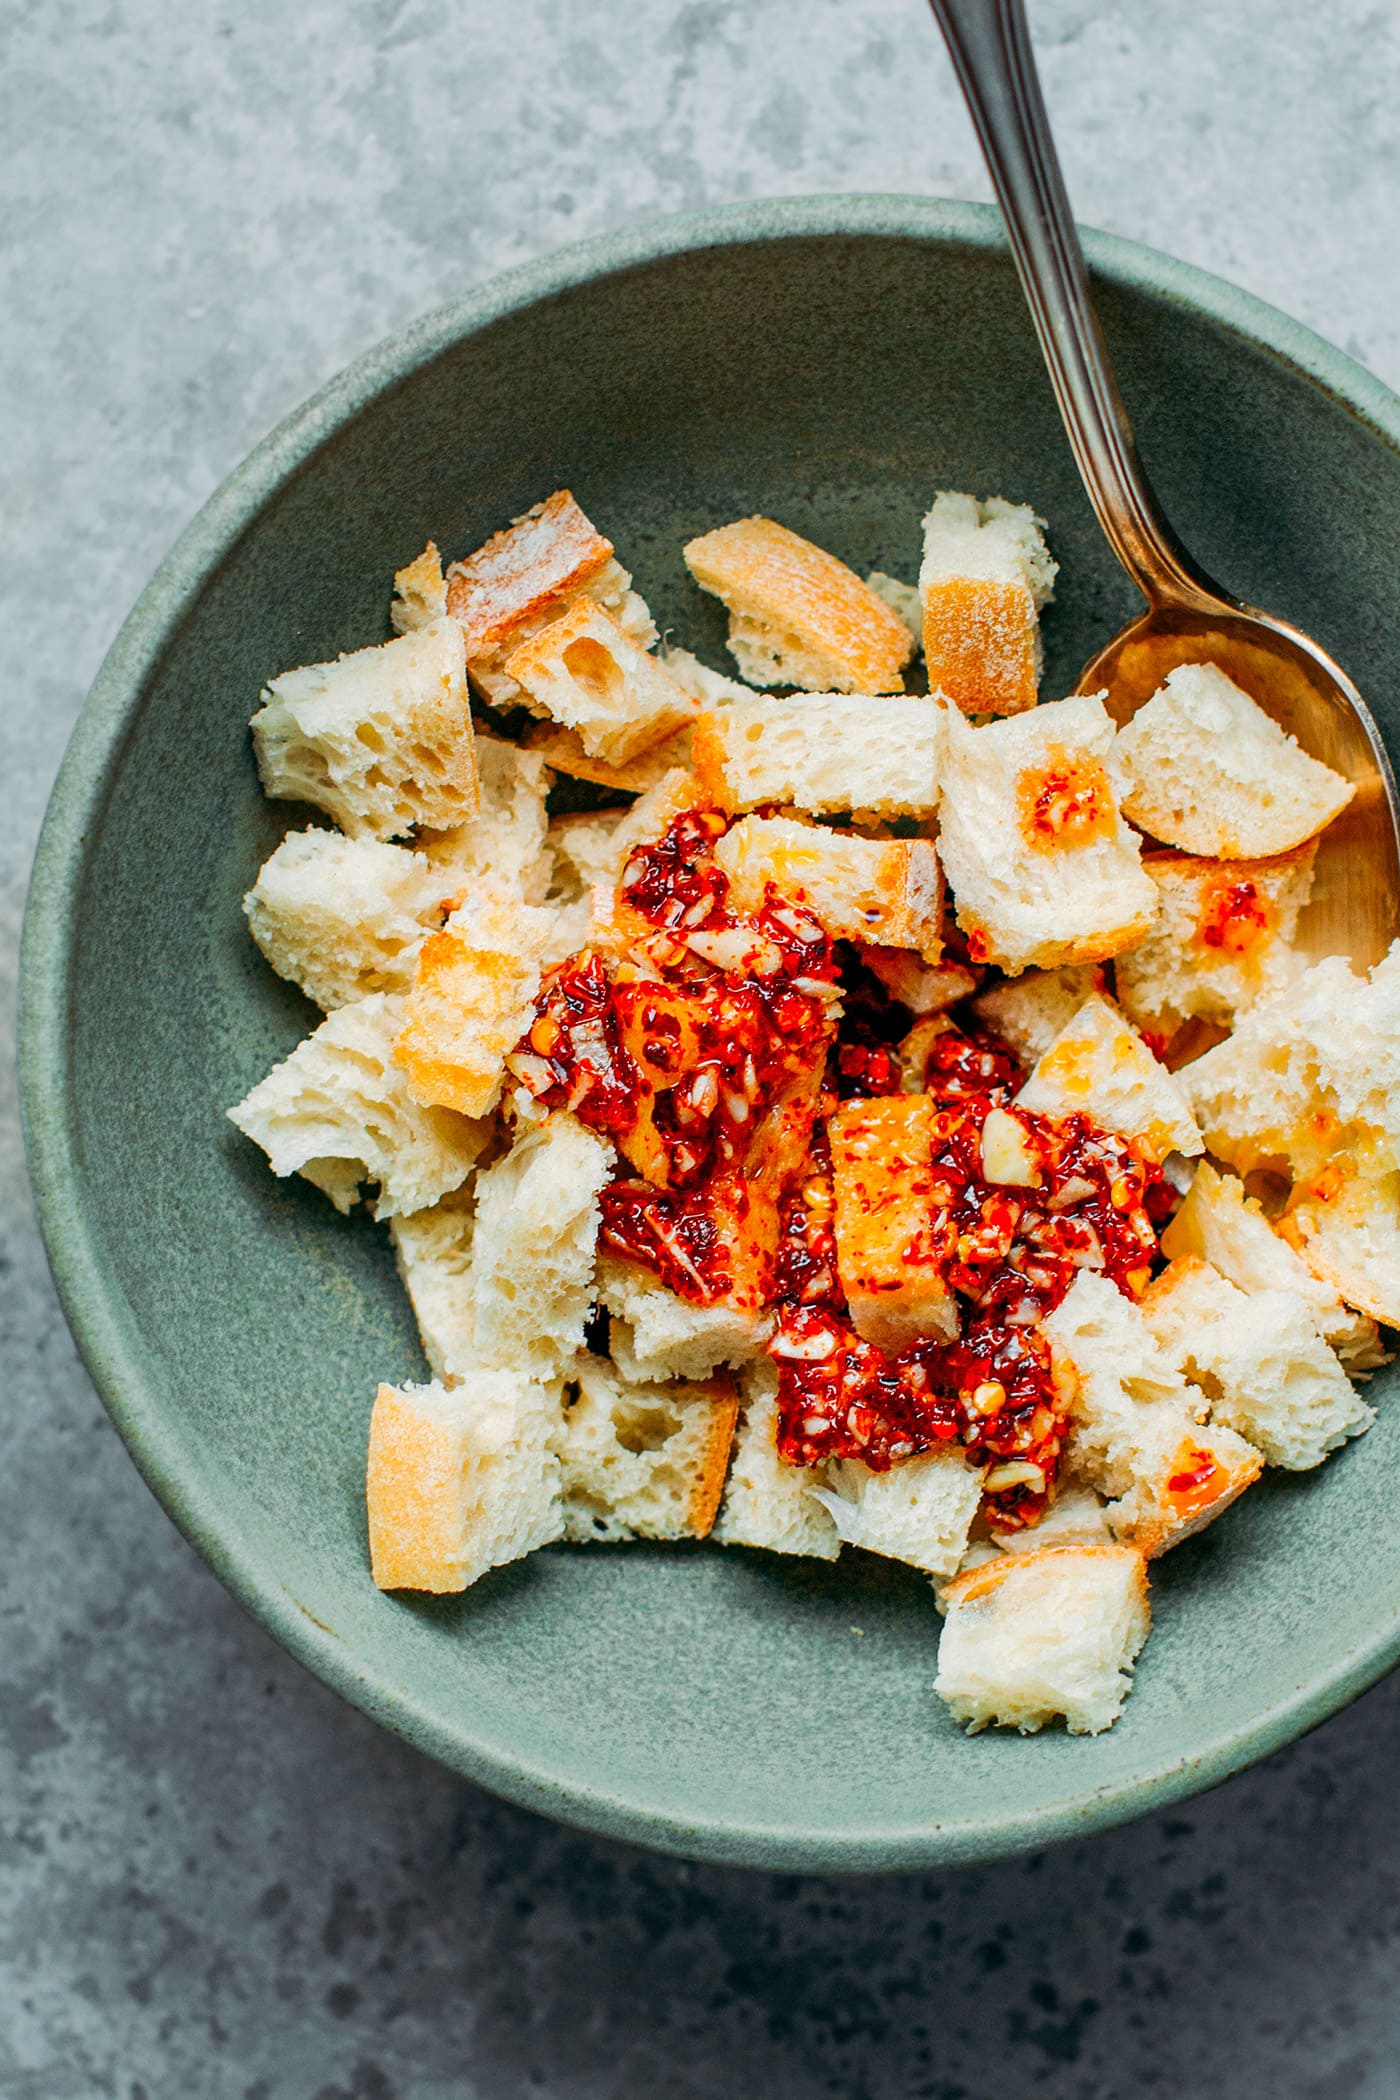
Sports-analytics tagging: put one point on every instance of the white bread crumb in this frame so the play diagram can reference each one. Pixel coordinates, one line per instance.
(535, 1245)
(643, 1461)
(433, 1248)
(888, 891)
(1345, 1223)
(1222, 939)
(822, 752)
(920, 1511)
(503, 846)
(903, 601)
(658, 1334)
(985, 574)
(768, 1502)
(710, 688)
(1100, 1067)
(340, 917)
(420, 593)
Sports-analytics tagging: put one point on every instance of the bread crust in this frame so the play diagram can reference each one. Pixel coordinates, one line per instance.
(586, 674)
(539, 560)
(563, 750)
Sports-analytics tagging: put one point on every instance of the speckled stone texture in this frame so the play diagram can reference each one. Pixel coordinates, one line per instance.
(216, 1879)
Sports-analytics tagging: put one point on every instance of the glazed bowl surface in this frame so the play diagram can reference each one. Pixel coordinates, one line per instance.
(829, 362)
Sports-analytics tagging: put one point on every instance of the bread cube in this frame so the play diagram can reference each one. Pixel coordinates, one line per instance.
(1309, 1073)
(888, 891)
(1032, 1636)
(1136, 1425)
(797, 615)
(1075, 1515)
(766, 1501)
(503, 847)
(584, 673)
(711, 688)
(340, 1112)
(433, 1249)
(1203, 768)
(920, 1511)
(1042, 866)
(1267, 1372)
(823, 753)
(903, 601)
(1097, 1066)
(535, 1245)
(583, 852)
(643, 1461)
(890, 1261)
(1028, 1012)
(461, 1479)
(381, 740)
(986, 573)
(528, 575)
(341, 918)
(472, 998)
(420, 593)
(562, 750)
(1222, 939)
(1228, 1229)
(655, 1333)
(1345, 1223)
(926, 989)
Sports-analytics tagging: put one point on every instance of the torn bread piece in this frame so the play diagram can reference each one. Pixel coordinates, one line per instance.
(341, 918)
(823, 753)
(643, 1461)
(1042, 867)
(1259, 1360)
(420, 593)
(891, 1265)
(655, 1333)
(471, 1001)
(1075, 1515)
(562, 750)
(888, 891)
(1137, 1434)
(1098, 1066)
(1028, 1012)
(986, 573)
(503, 846)
(528, 575)
(766, 1501)
(461, 1479)
(535, 1245)
(920, 1511)
(1227, 1227)
(585, 674)
(1030, 1637)
(340, 1112)
(381, 740)
(1222, 939)
(903, 601)
(1204, 769)
(711, 688)
(1345, 1223)
(583, 852)
(925, 988)
(797, 615)
(433, 1249)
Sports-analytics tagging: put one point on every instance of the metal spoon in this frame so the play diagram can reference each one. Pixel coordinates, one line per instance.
(1189, 618)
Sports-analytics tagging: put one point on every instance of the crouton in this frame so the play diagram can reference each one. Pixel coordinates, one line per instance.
(563, 751)
(420, 593)
(528, 575)
(1222, 939)
(1266, 1371)
(1307, 1074)
(340, 1112)
(460, 1479)
(823, 753)
(926, 989)
(710, 688)
(1075, 1515)
(340, 917)
(381, 740)
(1028, 1012)
(503, 847)
(986, 573)
(1032, 1636)
(643, 1461)
(920, 1511)
(1099, 1067)
(1136, 1433)
(766, 1501)
(471, 1001)
(1228, 1228)
(888, 891)
(535, 1244)
(1042, 866)
(903, 601)
(797, 615)
(433, 1249)
(584, 673)
(655, 1333)
(1345, 1223)
(890, 1260)
(1203, 768)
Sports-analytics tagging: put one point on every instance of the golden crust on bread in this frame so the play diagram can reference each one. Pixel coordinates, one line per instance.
(541, 559)
(470, 1002)
(980, 640)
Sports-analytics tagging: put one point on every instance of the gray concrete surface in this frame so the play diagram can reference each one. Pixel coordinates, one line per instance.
(215, 1880)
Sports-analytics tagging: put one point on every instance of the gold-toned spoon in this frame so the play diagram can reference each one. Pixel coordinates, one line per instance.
(1189, 618)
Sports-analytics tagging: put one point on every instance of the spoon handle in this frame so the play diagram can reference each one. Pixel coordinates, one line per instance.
(990, 44)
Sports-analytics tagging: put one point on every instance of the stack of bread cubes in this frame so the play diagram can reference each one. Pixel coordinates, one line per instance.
(1128, 901)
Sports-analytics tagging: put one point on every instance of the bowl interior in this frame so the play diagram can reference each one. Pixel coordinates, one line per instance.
(830, 371)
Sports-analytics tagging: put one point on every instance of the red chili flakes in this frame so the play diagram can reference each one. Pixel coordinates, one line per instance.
(1235, 916)
(1066, 802)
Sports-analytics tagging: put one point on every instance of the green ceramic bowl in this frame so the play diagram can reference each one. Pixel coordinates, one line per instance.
(829, 362)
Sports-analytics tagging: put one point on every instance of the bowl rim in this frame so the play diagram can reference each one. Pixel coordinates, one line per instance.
(91, 1299)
